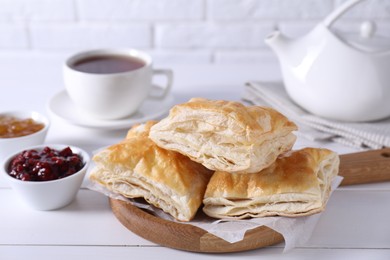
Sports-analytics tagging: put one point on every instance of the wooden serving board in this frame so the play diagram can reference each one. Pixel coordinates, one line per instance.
(365, 167)
(356, 168)
(184, 236)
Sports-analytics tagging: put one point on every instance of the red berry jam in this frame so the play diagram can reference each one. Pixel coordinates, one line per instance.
(45, 165)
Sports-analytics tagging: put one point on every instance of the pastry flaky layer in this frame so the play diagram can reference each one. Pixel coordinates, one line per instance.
(225, 135)
(296, 184)
(136, 167)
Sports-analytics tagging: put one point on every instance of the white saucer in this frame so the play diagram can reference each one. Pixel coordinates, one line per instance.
(62, 107)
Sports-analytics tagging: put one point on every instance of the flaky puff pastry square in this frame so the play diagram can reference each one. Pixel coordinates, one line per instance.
(225, 135)
(296, 184)
(136, 167)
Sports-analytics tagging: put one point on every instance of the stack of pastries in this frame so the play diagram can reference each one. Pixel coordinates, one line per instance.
(232, 160)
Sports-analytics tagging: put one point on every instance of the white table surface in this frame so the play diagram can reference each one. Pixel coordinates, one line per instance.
(355, 224)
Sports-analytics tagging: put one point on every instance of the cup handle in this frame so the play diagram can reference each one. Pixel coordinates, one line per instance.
(165, 89)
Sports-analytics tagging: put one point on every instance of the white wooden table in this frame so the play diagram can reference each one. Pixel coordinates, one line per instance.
(355, 224)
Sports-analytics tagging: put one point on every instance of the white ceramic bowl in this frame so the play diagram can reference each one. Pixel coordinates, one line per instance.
(10, 145)
(48, 195)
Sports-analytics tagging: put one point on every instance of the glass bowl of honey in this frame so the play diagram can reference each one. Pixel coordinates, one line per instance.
(20, 129)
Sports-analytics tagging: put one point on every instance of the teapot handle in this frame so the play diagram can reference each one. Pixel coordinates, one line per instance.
(332, 17)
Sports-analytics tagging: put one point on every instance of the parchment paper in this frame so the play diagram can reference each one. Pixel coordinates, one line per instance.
(295, 231)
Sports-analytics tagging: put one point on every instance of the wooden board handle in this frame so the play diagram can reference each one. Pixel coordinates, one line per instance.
(365, 167)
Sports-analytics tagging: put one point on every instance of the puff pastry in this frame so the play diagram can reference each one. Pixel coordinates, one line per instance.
(225, 135)
(136, 167)
(297, 184)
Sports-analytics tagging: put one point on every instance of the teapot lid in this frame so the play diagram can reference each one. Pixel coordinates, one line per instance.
(367, 40)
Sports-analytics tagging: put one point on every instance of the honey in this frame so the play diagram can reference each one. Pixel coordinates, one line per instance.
(15, 127)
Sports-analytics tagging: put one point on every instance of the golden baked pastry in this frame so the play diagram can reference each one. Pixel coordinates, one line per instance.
(297, 184)
(136, 167)
(225, 135)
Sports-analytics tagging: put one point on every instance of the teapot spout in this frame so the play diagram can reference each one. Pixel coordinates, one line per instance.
(279, 43)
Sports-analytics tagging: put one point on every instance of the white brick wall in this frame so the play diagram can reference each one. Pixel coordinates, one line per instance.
(84, 36)
(13, 37)
(173, 31)
(212, 35)
(145, 10)
(37, 10)
(268, 9)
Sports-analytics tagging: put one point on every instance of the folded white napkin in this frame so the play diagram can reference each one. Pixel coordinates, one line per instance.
(367, 135)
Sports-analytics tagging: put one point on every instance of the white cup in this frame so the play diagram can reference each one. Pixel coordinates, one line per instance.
(112, 95)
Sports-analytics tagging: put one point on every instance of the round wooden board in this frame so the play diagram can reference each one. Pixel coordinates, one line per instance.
(187, 237)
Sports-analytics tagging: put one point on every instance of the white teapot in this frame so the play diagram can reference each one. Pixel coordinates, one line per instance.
(333, 76)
